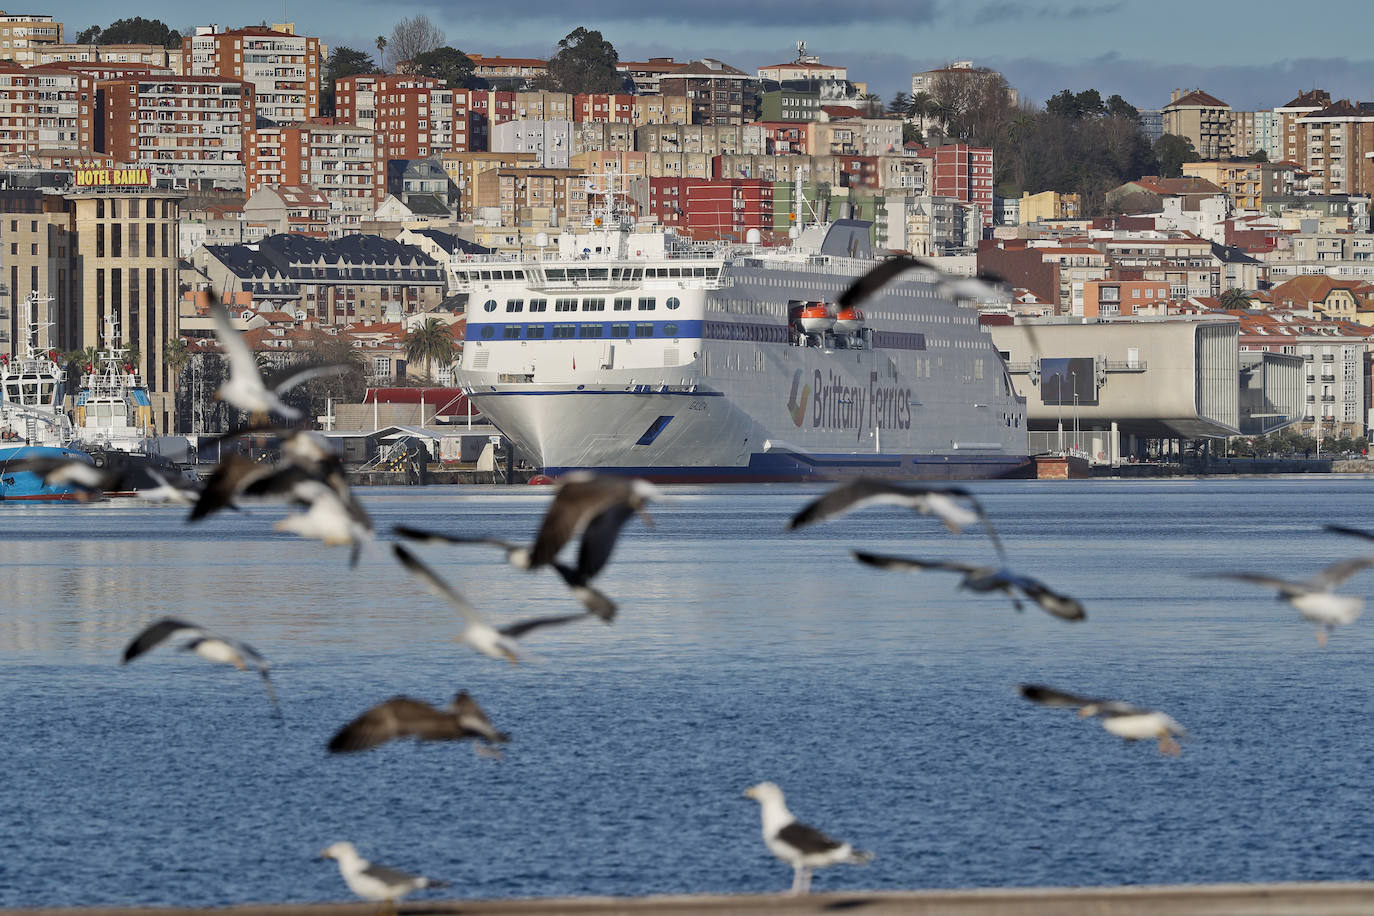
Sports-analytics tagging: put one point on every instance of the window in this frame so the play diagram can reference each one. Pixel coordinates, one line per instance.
(593, 305)
(646, 304)
(565, 305)
(644, 329)
(620, 330)
(673, 302)
(515, 305)
(487, 332)
(534, 332)
(512, 332)
(489, 305)
(590, 330)
(539, 305)
(564, 330)
(623, 305)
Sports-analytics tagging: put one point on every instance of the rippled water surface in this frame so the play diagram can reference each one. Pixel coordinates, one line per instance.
(882, 703)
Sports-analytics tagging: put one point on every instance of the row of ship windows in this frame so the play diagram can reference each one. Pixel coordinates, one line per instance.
(626, 330)
(595, 273)
(589, 304)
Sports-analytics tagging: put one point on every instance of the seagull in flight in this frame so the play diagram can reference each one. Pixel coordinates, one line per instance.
(1315, 600)
(804, 848)
(957, 507)
(988, 579)
(1134, 723)
(985, 287)
(377, 883)
(478, 633)
(404, 717)
(245, 388)
(207, 645)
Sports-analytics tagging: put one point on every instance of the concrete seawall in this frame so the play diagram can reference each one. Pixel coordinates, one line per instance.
(1308, 899)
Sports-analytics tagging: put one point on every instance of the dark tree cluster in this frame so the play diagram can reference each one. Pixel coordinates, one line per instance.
(448, 65)
(585, 62)
(135, 31)
(1078, 144)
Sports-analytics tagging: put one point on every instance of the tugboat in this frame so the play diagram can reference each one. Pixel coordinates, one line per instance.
(114, 423)
(32, 423)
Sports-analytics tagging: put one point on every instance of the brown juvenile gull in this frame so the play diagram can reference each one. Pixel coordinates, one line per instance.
(404, 717)
(804, 848)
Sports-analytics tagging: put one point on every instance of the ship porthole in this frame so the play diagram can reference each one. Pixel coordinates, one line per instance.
(673, 302)
(489, 305)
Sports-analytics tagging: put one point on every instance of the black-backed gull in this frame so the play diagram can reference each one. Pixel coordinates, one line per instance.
(1124, 720)
(209, 646)
(955, 506)
(988, 579)
(804, 848)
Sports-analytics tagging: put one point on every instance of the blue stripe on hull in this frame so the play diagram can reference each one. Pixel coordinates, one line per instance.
(28, 485)
(784, 467)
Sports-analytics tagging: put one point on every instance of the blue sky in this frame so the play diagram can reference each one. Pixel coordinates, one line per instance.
(1253, 55)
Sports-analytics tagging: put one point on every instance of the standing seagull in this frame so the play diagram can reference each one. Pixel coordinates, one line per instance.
(482, 636)
(245, 388)
(403, 717)
(207, 645)
(804, 848)
(375, 882)
(955, 506)
(988, 579)
(1315, 599)
(1121, 719)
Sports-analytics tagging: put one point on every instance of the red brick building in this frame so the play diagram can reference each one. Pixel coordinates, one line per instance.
(346, 164)
(965, 173)
(414, 114)
(712, 208)
(45, 108)
(283, 67)
(603, 106)
(188, 130)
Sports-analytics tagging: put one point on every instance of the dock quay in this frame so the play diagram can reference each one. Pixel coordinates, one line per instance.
(1308, 898)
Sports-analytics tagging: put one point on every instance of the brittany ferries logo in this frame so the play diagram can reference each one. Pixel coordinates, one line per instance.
(797, 405)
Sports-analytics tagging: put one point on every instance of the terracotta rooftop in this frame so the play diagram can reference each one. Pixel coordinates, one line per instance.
(1197, 99)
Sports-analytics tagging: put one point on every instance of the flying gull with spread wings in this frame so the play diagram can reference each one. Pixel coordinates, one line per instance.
(1315, 600)
(1134, 723)
(245, 388)
(988, 579)
(209, 646)
(404, 717)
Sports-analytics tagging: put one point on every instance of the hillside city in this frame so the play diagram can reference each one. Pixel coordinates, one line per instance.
(329, 194)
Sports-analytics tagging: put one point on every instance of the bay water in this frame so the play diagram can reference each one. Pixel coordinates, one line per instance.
(882, 703)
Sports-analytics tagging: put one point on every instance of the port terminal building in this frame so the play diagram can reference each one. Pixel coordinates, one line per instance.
(1118, 390)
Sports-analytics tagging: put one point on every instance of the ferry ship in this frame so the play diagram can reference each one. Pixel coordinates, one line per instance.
(629, 350)
(32, 421)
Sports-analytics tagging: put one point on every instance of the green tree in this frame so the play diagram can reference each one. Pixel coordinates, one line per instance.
(872, 104)
(1172, 151)
(176, 356)
(911, 133)
(135, 31)
(585, 62)
(899, 104)
(448, 64)
(432, 342)
(1259, 155)
(381, 51)
(342, 62)
(1117, 107)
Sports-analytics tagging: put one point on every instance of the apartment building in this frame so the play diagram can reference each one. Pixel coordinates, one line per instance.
(187, 130)
(1292, 144)
(1202, 118)
(524, 69)
(1185, 262)
(712, 208)
(964, 173)
(656, 109)
(23, 36)
(414, 114)
(139, 55)
(1256, 132)
(545, 105)
(1338, 142)
(550, 141)
(605, 106)
(714, 92)
(1242, 181)
(345, 163)
(45, 108)
(463, 168)
(646, 75)
(1049, 205)
(36, 251)
(712, 139)
(483, 109)
(511, 190)
(283, 67)
(1123, 298)
(837, 132)
(602, 136)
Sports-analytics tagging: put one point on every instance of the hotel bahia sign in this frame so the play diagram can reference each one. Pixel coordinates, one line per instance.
(113, 178)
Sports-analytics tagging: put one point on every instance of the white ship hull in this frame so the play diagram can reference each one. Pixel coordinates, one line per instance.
(712, 379)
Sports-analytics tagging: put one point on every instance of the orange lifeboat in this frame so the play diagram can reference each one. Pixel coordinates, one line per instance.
(816, 318)
(849, 320)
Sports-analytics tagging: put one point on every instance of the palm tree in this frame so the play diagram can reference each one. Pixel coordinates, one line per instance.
(176, 356)
(1235, 299)
(381, 52)
(431, 342)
